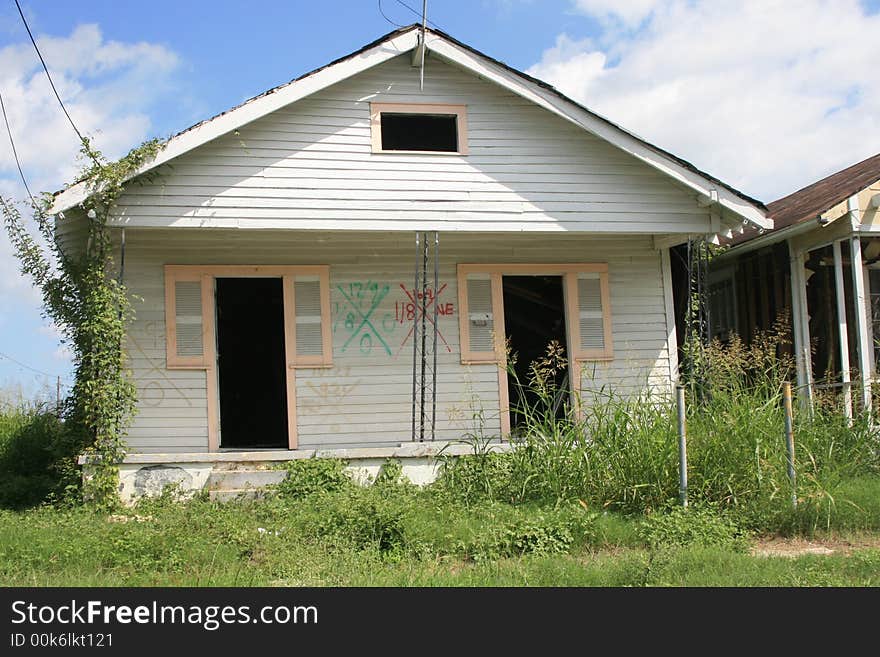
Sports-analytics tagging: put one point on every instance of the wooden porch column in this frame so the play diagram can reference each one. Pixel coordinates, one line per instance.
(866, 351)
(843, 336)
(669, 304)
(800, 326)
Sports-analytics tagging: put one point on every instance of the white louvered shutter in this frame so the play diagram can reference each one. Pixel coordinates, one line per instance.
(591, 319)
(481, 324)
(309, 336)
(188, 320)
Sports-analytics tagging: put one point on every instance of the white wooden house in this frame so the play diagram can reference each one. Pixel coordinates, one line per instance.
(273, 250)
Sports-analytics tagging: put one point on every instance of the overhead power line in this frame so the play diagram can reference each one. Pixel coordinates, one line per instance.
(32, 369)
(385, 16)
(49, 76)
(15, 153)
(416, 12)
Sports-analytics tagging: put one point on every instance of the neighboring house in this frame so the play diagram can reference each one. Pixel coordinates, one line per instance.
(820, 268)
(274, 253)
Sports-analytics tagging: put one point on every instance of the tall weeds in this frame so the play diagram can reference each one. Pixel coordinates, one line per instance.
(618, 452)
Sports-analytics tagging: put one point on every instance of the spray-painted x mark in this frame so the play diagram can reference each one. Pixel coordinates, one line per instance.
(417, 316)
(365, 317)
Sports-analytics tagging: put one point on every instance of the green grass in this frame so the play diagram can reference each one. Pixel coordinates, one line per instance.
(339, 539)
(584, 501)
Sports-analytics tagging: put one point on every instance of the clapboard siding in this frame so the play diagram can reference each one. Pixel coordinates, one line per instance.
(364, 399)
(310, 165)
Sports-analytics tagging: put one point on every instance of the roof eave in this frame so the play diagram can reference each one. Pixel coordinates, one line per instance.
(376, 53)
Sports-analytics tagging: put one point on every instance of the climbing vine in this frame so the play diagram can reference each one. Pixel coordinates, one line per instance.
(91, 308)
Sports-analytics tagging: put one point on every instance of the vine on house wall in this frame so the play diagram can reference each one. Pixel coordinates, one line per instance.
(91, 309)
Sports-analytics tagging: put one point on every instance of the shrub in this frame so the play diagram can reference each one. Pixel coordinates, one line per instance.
(700, 526)
(543, 532)
(362, 518)
(37, 458)
(307, 477)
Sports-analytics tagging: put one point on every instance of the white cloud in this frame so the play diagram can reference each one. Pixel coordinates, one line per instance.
(769, 96)
(106, 87)
(101, 82)
(628, 12)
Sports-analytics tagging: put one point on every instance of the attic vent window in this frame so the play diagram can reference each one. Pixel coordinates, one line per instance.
(415, 128)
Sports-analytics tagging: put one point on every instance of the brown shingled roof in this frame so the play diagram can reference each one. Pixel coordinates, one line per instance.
(823, 195)
(804, 204)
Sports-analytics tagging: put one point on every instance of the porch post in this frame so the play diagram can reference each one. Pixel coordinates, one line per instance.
(864, 339)
(669, 304)
(843, 337)
(800, 326)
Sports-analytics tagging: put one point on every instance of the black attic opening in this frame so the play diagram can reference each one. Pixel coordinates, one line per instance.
(419, 132)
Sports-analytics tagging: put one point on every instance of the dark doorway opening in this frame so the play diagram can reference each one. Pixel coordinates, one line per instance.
(534, 316)
(251, 363)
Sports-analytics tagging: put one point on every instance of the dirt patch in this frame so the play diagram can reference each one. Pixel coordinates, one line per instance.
(796, 547)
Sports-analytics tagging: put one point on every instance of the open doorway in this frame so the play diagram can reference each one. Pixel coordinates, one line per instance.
(534, 316)
(251, 364)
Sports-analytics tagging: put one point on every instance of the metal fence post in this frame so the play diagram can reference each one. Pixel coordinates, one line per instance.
(682, 447)
(789, 440)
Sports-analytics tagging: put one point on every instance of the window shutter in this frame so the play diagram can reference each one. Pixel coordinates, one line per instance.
(309, 334)
(188, 323)
(480, 319)
(588, 309)
(591, 318)
(189, 317)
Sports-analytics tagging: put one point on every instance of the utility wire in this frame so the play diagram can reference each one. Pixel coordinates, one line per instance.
(15, 153)
(46, 68)
(32, 369)
(381, 11)
(417, 13)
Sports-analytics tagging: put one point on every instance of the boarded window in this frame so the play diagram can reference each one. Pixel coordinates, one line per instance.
(413, 127)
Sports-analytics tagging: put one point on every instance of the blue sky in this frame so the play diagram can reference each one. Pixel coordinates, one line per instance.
(230, 51)
(769, 96)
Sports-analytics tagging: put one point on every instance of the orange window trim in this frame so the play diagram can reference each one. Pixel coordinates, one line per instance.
(459, 111)
(569, 273)
(174, 361)
(206, 274)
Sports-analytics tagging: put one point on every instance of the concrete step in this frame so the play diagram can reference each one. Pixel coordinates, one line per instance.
(229, 480)
(233, 495)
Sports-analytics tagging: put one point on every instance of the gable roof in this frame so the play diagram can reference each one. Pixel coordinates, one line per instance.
(821, 196)
(733, 206)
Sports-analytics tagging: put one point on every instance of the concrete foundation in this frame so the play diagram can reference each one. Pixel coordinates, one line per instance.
(226, 474)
